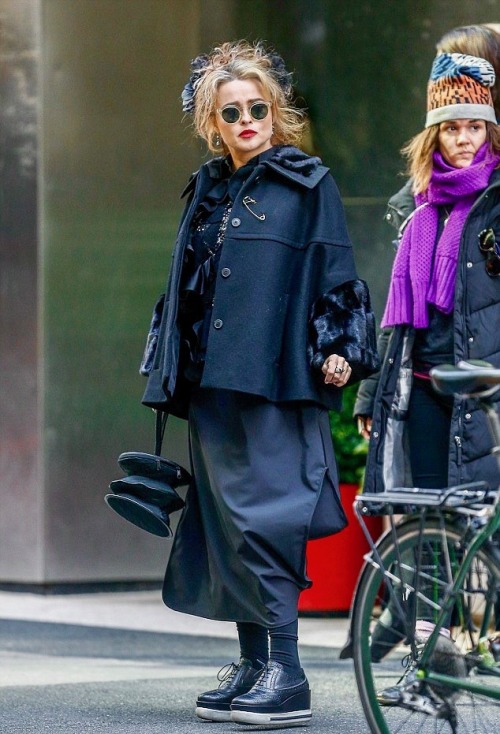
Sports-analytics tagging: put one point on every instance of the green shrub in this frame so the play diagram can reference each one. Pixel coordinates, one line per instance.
(350, 448)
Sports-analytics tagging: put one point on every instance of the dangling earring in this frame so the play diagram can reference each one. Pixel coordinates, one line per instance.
(216, 140)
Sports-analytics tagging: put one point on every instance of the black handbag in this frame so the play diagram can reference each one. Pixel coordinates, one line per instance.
(153, 467)
(146, 496)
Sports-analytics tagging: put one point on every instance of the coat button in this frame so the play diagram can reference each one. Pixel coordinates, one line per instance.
(218, 324)
(375, 434)
(468, 416)
(236, 222)
(469, 264)
(225, 272)
(471, 339)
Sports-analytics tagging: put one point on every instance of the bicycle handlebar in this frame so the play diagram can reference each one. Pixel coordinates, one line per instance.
(473, 378)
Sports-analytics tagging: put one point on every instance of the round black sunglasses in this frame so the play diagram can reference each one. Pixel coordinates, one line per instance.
(231, 113)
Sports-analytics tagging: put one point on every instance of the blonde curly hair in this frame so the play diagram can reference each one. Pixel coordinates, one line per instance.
(242, 60)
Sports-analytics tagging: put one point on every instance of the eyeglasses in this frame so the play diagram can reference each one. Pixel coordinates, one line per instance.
(490, 247)
(231, 113)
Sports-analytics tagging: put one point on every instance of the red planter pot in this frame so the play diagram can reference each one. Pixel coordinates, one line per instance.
(334, 563)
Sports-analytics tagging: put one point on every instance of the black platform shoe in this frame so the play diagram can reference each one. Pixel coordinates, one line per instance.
(234, 681)
(276, 698)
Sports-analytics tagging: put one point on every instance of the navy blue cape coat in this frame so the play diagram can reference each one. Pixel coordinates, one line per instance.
(286, 289)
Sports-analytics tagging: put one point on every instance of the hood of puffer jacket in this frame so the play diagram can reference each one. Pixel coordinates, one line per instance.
(288, 161)
(400, 206)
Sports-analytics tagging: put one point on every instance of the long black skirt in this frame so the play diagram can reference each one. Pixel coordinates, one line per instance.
(265, 481)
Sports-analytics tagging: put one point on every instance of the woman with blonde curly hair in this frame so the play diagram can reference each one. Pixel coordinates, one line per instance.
(245, 62)
(263, 322)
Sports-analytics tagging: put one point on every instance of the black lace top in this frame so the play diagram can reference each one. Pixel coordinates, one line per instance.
(201, 264)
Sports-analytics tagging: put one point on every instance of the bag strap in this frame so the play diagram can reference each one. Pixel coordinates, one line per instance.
(161, 422)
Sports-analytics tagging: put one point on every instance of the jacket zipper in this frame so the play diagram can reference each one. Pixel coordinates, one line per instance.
(458, 443)
(463, 266)
(463, 263)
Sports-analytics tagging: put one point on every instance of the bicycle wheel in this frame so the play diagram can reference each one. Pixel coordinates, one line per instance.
(422, 564)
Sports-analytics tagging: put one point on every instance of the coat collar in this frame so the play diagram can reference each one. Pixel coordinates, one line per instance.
(288, 161)
(401, 203)
(297, 166)
(495, 178)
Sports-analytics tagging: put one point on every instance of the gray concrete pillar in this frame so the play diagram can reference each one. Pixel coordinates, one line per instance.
(93, 155)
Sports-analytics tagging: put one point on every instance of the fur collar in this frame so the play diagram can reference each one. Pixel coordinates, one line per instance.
(295, 164)
(287, 160)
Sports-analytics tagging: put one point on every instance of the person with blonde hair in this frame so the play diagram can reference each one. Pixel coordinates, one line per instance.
(482, 41)
(263, 323)
(443, 299)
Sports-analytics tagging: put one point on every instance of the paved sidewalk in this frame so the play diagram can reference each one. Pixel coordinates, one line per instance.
(144, 610)
(122, 663)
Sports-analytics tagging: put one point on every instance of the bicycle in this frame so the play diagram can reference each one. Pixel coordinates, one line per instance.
(441, 563)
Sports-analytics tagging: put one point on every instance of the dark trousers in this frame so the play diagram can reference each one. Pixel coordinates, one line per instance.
(429, 419)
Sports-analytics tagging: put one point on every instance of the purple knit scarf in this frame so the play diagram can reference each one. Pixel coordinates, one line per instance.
(418, 276)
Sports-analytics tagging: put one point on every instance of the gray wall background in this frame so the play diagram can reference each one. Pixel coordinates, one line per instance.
(93, 155)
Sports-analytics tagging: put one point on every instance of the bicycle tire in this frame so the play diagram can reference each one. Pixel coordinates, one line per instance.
(473, 617)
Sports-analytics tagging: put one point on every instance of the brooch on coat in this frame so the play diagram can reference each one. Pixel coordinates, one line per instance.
(247, 200)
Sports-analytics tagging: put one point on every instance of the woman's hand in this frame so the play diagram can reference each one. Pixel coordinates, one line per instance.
(336, 370)
(364, 425)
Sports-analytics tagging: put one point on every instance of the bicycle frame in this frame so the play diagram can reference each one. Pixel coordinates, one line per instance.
(477, 542)
(459, 683)
(409, 583)
(446, 501)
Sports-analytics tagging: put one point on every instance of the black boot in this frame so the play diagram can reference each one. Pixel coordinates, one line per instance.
(234, 681)
(276, 698)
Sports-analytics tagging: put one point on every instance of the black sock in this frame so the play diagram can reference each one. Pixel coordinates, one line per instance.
(284, 648)
(254, 643)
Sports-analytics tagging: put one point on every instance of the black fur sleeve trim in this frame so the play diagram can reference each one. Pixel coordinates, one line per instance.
(342, 322)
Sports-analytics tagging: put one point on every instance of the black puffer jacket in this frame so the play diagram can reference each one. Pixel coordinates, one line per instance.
(384, 395)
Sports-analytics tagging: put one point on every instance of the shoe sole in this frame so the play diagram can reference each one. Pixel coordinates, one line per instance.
(212, 714)
(388, 702)
(292, 718)
(494, 670)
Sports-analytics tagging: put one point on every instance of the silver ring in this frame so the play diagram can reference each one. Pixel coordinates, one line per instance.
(339, 369)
